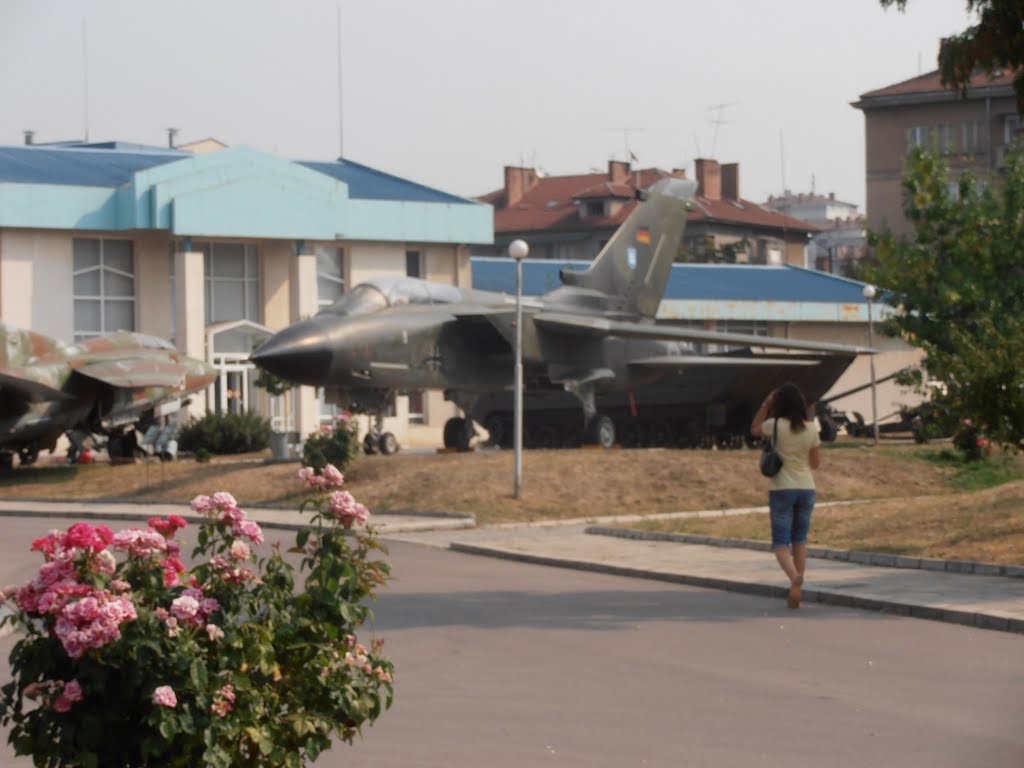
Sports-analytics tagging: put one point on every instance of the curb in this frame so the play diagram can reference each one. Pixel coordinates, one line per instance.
(826, 597)
(846, 555)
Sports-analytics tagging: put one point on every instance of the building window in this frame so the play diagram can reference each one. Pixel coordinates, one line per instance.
(917, 136)
(974, 137)
(232, 282)
(945, 139)
(745, 327)
(595, 208)
(330, 274)
(413, 264)
(417, 410)
(104, 286)
(1011, 128)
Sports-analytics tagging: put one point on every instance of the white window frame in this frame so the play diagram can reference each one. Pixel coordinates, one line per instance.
(102, 298)
(335, 278)
(252, 308)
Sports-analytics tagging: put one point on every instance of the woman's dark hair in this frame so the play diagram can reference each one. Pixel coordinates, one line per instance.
(789, 403)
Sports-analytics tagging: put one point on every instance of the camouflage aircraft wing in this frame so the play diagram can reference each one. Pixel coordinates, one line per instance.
(33, 385)
(600, 327)
(136, 373)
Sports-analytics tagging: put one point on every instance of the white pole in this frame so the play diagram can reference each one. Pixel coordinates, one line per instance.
(869, 294)
(518, 250)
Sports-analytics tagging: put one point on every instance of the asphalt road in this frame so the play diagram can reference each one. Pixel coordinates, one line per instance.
(503, 664)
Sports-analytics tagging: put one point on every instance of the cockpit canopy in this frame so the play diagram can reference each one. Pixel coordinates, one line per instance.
(384, 292)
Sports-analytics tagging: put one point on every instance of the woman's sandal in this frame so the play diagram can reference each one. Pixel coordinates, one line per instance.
(793, 599)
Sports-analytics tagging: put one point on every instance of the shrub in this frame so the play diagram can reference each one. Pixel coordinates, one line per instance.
(127, 659)
(336, 444)
(226, 433)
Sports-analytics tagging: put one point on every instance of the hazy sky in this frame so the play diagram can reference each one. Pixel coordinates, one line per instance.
(447, 92)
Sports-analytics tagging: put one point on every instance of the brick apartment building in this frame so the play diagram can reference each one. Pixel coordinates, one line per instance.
(572, 217)
(972, 130)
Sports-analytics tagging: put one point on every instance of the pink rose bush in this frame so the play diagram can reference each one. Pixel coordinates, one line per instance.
(129, 658)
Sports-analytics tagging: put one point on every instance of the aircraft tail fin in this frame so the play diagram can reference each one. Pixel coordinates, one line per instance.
(636, 262)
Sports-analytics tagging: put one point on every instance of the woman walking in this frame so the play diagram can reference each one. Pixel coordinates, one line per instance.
(792, 496)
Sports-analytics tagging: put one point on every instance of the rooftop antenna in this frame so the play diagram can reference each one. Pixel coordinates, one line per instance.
(718, 121)
(171, 133)
(625, 140)
(85, 78)
(341, 129)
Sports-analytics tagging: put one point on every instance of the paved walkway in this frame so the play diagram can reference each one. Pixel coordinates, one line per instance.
(975, 599)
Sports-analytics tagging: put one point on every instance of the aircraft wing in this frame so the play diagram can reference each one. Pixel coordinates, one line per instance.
(683, 361)
(32, 385)
(129, 373)
(586, 325)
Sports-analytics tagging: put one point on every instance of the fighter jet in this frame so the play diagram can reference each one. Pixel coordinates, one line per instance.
(104, 385)
(594, 337)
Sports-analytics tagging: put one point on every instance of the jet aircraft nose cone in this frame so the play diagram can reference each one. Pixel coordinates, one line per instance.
(301, 354)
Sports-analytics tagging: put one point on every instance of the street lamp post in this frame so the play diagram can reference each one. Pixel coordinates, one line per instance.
(518, 249)
(869, 294)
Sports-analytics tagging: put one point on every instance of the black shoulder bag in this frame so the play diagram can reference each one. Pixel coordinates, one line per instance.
(771, 461)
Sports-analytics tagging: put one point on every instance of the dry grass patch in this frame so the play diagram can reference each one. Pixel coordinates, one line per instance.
(556, 484)
(981, 525)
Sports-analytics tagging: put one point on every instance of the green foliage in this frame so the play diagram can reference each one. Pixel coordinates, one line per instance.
(337, 445)
(957, 288)
(995, 43)
(237, 663)
(970, 475)
(224, 433)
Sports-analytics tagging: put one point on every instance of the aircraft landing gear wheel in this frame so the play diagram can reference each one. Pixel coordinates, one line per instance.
(457, 433)
(371, 443)
(601, 431)
(388, 444)
(495, 426)
(28, 456)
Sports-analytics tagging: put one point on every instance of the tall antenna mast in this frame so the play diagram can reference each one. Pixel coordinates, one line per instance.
(341, 129)
(717, 109)
(85, 78)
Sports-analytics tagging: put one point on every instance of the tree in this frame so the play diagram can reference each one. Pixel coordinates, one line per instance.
(995, 43)
(957, 288)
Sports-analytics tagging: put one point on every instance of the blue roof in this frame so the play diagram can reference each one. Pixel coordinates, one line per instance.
(698, 282)
(79, 166)
(370, 184)
(113, 164)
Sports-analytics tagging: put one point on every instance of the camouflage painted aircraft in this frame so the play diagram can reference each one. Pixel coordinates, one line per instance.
(105, 385)
(595, 338)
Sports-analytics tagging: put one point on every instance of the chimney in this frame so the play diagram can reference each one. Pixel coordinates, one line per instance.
(618, 171)
(518, 181)
(709, 179)
(731, 181)
(29, 136)
(171, 133)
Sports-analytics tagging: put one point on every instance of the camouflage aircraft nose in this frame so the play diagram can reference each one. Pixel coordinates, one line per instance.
(301, 353)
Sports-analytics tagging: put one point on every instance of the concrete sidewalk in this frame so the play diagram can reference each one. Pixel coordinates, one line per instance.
(981, 599)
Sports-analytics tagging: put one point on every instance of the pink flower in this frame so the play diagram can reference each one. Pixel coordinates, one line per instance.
(249, 529)
(185, 608)
(167, 527)
(332, 476)
(223, 702)
(72, 692)
(202, 504)
(344, 507)
(214, 632)
(240, 550)
(165, 697)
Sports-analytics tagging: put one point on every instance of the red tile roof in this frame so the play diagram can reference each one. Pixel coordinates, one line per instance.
(550, 205)
(931, 82)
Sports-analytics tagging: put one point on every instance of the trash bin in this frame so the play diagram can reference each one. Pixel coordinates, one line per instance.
(279, 445)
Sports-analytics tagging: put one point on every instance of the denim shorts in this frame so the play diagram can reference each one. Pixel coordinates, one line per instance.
(791, 515)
